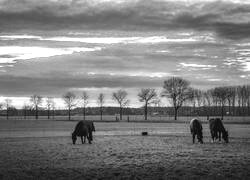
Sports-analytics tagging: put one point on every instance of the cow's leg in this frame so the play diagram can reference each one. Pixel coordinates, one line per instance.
(89, 139)
(193, 138)
(216, 135)
(90, 135)
(82, 139)
(219, 136)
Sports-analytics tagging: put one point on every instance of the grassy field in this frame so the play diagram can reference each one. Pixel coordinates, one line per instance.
(135, 118)
(43, 150)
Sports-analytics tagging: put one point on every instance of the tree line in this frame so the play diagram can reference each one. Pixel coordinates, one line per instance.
(224, 100)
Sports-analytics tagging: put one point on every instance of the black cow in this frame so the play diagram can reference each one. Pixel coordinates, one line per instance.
(217, 128)
(196, 129)
(83, 129)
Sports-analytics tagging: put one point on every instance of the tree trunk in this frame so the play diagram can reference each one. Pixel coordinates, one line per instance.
(69, 114)
(222, 111)
(175, 113)
(120, 112)
(24, 113)
(101, 112)
(84, 113)
(7, 113)
(48, 114)
(36, 112)
(233, 106)
(146, 111)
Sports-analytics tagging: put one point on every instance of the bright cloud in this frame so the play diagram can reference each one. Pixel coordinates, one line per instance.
(214, 79)
(197, 65)
(14, 53)
(104, 40)
(133, 74)
(15, 37)
(149, 74)
(247, 66)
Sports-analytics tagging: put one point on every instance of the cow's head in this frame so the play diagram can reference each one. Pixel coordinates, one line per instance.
(200, 137)
(73, 138)
(225, 136)
(92, 126)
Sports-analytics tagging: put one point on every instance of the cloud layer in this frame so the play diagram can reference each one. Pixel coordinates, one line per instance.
(228, 19)
(49, 47)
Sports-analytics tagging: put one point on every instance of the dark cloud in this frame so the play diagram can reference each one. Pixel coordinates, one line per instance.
(232, 30)
(25, 86)
(219, 16)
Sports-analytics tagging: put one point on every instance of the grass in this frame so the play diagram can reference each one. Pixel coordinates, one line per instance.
(135, 118)
(43, 150)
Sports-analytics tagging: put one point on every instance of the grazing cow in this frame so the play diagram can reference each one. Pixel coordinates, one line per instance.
(83, 129)
(196, 129)
(216, 129)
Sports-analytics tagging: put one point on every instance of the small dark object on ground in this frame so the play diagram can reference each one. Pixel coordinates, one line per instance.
(144, 133)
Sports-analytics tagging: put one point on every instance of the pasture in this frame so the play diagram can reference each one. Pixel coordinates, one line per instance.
(43, 150)
(134, 118)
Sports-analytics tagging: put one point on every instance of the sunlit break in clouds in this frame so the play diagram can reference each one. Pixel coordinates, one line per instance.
(50, 47)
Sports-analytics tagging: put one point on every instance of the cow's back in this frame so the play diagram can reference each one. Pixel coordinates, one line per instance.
(212, 124)
(195, 125)
(219, 125)
(81, 129)
(215, 124)
(90, 125)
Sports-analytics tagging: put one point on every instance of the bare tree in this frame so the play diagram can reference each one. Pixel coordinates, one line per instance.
(7, 104)
(70, 101)
(121, 97)
(100, 101)
(85, 102)
(221, 94)
(230, 97)
(248, 100)
(195, 98)
(207, 100)
(198, 98)
(49, 105)
(245, 96)
(36, 100)
(192, 100)
(178, 91)
(146, 96)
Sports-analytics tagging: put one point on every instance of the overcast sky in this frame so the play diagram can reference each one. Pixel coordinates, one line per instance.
(50, 47)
